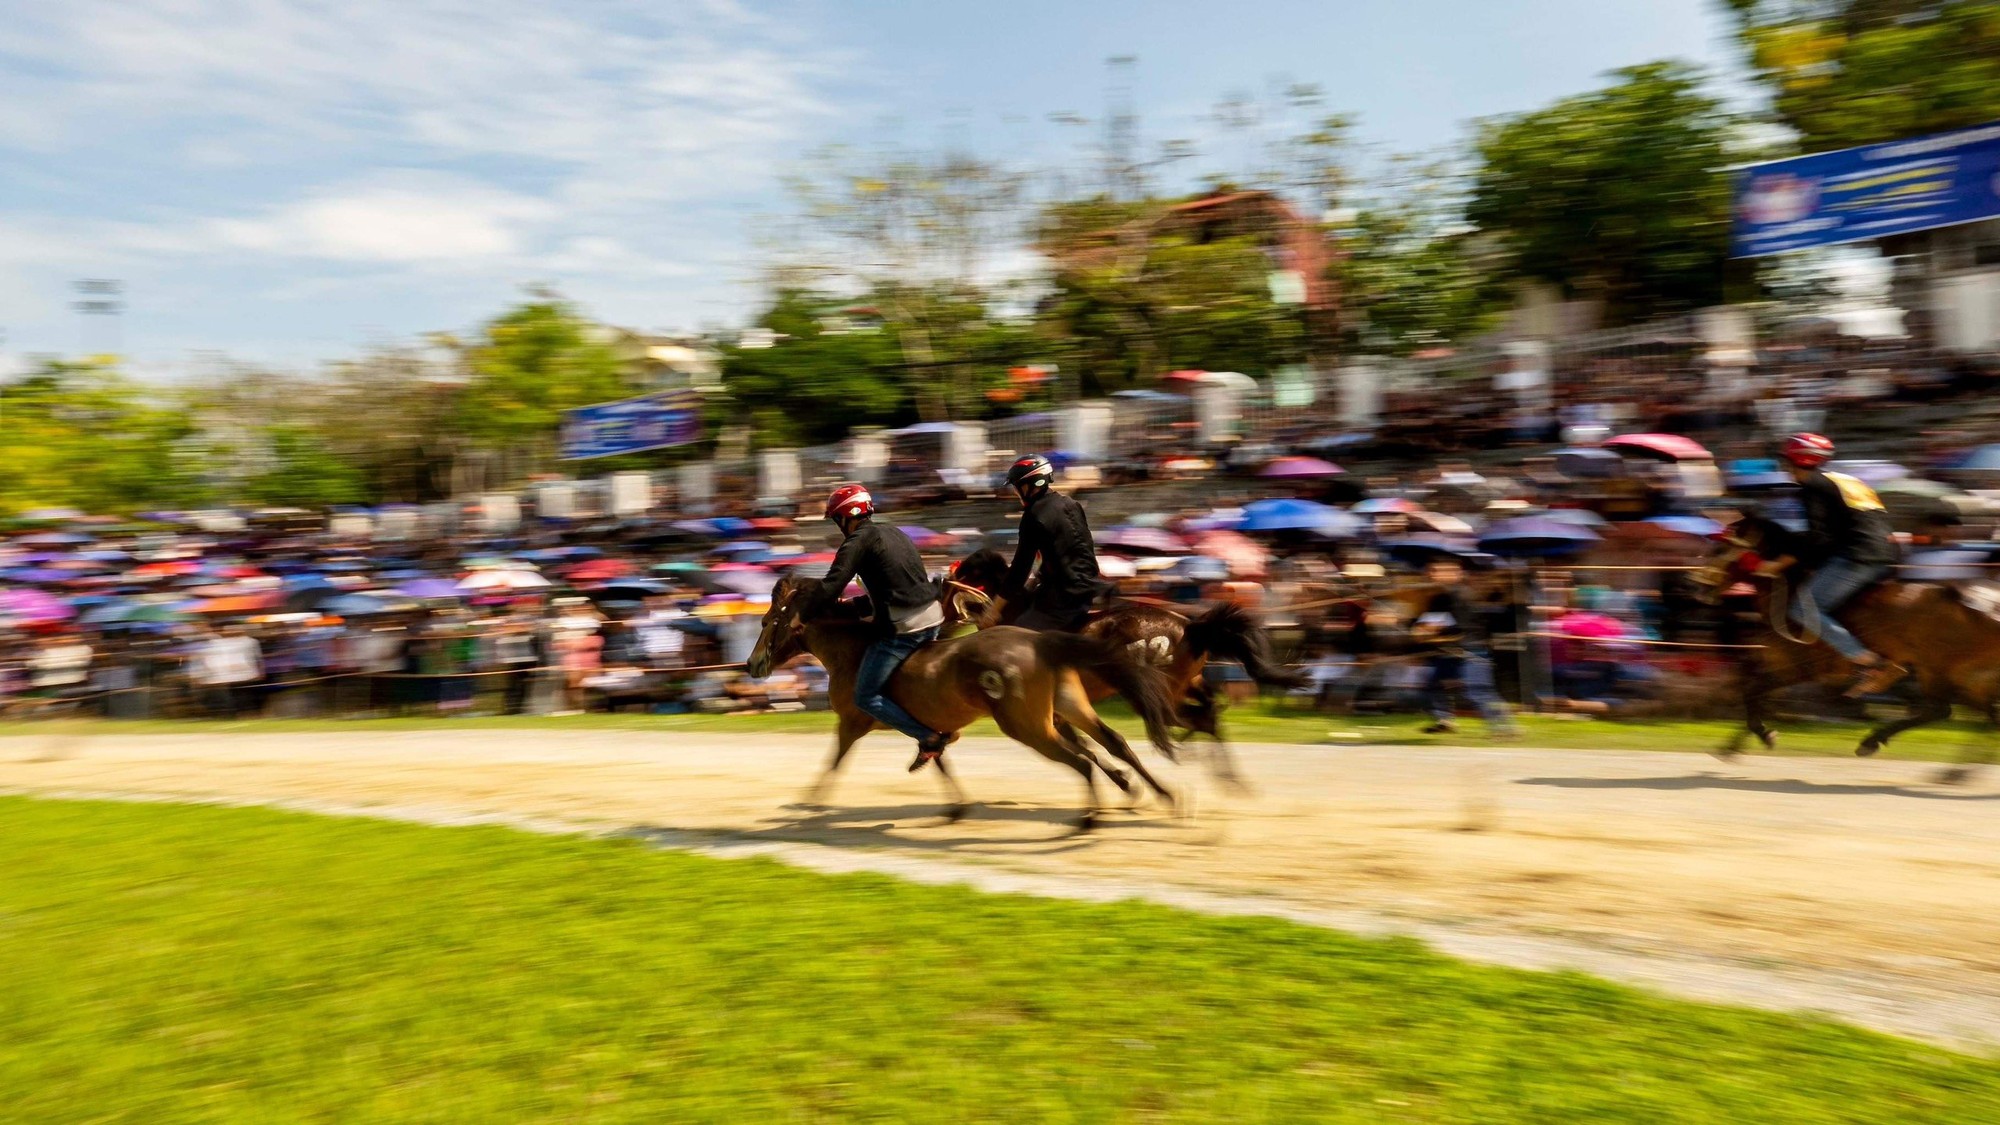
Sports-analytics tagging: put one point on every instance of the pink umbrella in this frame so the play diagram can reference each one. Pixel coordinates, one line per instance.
(1300, 468)
(1672, 447)
(1144, 540)
(1246, 557)
(34, 607)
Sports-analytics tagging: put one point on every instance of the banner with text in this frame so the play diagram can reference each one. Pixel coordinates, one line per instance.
(632, 425)
(1861, 193)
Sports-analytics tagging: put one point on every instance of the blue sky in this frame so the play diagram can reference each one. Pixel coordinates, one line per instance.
(286, 182)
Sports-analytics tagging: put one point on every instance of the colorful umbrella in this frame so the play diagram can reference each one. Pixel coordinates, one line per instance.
(492, 581)
(1144, 540)
(1300, 468)
(1670, 447)
(1387, 505)
(1243, 555)
(34, 607)
(1298, 515)
(1536, 535)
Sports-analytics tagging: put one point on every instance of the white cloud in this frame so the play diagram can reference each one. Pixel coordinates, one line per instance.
(418, 220)
(598, 144)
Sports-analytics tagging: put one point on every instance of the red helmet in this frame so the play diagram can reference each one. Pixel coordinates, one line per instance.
(849, 501)
(1808, 451)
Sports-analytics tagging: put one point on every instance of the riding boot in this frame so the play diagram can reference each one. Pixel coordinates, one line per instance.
(1876, 677)
(931, 749)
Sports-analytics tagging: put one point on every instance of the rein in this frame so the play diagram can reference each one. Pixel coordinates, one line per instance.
(1780, 612)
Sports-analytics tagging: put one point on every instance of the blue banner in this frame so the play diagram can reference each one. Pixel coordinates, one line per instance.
(1862, 193)
(631, 425)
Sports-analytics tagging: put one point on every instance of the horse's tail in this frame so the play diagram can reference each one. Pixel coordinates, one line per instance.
(1134, 678)
(1228, 631)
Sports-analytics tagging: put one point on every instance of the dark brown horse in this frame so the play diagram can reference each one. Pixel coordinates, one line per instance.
(1178, 645)
(1030, 683)
(1951, 649)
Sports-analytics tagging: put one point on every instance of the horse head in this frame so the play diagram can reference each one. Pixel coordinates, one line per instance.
(983, 570)
(1739, 550)
(782, 635)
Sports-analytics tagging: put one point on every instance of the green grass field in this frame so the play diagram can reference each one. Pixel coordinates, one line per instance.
(178, 964)
(1261, 722)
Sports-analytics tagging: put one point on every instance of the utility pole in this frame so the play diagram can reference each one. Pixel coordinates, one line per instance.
(1121, 130)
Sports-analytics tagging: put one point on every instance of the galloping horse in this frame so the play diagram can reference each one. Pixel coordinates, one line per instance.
(1030, 683)
(1951, 649)
(1180, 646)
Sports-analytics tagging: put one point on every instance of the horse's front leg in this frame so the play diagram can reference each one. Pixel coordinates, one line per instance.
(853, 724)
(1757, 687)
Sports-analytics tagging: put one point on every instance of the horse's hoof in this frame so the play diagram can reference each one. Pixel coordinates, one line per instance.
(1769, 738)
(1119, 778)
(1868, 748)
(1954, 775)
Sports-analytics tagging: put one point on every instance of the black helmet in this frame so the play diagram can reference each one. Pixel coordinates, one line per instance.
(1032, 471)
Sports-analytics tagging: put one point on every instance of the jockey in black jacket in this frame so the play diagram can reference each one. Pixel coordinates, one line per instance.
(1054, 530)
(905, 603)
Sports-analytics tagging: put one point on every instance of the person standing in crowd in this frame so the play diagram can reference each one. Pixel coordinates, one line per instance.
(227, 666)
(1458, 662)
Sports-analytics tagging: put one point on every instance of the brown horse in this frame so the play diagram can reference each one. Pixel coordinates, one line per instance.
(1030, 683)
(1951, 649)
(1178, 645)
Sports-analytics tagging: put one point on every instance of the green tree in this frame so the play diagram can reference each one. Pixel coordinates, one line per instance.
(1854, 72)
(82, 435)
(1617, 195)
(530, 365)
(302, 470)
(1412, 273)
(810, 385)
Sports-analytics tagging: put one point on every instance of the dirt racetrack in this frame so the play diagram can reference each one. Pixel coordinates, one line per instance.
(1855, 888)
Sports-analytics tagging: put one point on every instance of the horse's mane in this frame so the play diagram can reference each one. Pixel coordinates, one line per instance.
(834, 612)
(984, 569)
(1767, 535)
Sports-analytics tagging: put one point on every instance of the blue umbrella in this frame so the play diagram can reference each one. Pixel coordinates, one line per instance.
(359, 605)
(1299, 515)
(1959, 564)
(1575, 517)
(741, 546)
(1418, 550)
(430, 588)
(1985, 457)
(1200, 568)
(1760, 482)
(1698, 526)
(1536, 535)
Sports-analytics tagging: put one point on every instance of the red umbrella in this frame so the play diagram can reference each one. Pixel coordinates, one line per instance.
(1672, 447)
(1300, 468)
(598, 570)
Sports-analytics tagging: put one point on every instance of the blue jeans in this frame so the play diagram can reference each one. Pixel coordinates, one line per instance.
(871, 682)
(1831, 587)
(1471, 676)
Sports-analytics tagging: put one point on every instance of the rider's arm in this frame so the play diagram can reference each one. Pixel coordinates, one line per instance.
(1029, 546)
(845, 562)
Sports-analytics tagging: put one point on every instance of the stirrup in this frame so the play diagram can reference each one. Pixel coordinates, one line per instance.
(1876, 678)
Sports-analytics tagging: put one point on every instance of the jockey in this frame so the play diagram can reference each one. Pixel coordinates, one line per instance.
(1848, 547)
(905, 603)
(1053, 528)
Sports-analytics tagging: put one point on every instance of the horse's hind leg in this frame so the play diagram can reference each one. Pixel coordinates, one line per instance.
(1040, 735)
(1073, 706)
(1931, 708)
(1976, 753)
